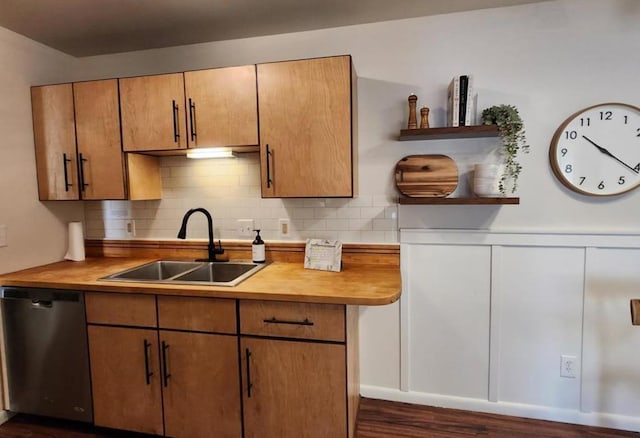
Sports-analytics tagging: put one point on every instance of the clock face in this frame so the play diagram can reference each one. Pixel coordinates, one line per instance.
(596, 151)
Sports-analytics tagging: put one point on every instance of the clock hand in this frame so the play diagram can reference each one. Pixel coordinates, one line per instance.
(606, 152)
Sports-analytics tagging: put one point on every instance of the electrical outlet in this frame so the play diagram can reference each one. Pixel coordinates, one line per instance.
(284, 226)
(245, 227)
(130, 228)
(568, 365)
(3, 235)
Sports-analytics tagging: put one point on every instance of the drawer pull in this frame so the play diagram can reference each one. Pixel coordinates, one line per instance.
(165, 374)
(67, 184)
(174, 110)
(274, 320)
(192, 119)
(147, 373)
(247, 354)
(269, 180)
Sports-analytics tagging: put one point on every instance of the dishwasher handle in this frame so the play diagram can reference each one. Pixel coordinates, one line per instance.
(40, 297)
(42, 304)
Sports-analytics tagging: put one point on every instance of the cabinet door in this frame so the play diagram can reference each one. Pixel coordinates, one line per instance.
(125, 377)
(55, 142)
(153, 115)
(222, 106)
(305, 128)
(202, 387)
(100, 157)
(293, 389)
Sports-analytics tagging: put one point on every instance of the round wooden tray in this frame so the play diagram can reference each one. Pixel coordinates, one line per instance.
(426, 176)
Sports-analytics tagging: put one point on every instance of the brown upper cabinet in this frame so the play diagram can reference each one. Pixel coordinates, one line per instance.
(203, 108)
(100, 157)
(153, 113)
(222, 107)
(55, 142)
(306, 117)
(77, 143)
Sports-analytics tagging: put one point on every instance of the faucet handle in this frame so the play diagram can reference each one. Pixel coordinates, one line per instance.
(218, 250)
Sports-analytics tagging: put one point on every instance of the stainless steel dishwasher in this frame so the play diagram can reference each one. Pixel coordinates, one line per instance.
(47, 352)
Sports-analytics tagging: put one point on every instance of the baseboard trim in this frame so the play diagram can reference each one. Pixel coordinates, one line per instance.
(5, 415)
(504, 408)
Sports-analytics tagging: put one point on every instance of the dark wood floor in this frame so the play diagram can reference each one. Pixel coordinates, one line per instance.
(377, 419)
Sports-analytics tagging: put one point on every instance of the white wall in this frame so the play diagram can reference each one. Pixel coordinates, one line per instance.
(36, 231)
(549, 59)
(486, 316)
(230, 190)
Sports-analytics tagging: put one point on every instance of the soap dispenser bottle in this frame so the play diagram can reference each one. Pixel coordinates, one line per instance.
(257, 248)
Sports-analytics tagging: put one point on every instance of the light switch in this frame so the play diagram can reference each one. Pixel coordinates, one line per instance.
(3, 235)
(635, 312)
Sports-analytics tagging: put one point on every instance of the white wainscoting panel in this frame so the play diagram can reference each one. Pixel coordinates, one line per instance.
(448, 319)
(485, 316)
(379, 334)
(540, 319)
(611, 343)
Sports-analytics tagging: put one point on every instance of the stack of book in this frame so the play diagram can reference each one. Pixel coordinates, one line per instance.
(461, 102)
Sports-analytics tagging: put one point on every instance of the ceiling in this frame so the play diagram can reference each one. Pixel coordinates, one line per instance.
(82, 28)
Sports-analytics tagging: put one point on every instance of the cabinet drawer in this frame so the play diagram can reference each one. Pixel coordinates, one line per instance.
(293, 320)
(197, 314)
(121, 309)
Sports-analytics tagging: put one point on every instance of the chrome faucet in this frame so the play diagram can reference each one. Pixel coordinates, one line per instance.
(182, 234)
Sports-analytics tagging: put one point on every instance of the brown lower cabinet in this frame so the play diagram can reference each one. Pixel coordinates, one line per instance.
(293, 389)
(175, 366)
(299, 369)
(126, 395)
(201, 396)
(177, 381)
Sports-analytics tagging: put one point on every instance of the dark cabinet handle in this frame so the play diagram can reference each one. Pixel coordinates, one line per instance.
(81, 161)
(274, 320)
(192, 119)
(147, 373)
(269, 155)
(174, 109)
(165, 374)
(66, 160)
(247, 355)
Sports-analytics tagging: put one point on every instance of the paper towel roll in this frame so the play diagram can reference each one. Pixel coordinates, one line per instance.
(75, 249)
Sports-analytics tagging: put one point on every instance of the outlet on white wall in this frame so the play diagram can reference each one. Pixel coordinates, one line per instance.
(245, 227)
(284, 228)
(568, 365)
(130, 228)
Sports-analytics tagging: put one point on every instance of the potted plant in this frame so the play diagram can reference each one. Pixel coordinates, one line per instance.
(511, 130)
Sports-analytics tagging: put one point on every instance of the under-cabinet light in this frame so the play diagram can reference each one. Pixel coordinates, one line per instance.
(211, 153)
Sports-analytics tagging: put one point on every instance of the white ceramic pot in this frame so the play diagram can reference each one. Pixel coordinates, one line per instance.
(486, 179)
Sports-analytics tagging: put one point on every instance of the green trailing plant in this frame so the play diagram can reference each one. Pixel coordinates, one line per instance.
(512, 134)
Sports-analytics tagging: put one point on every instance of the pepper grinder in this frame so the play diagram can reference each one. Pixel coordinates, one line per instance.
(424, 117)
(413, 123)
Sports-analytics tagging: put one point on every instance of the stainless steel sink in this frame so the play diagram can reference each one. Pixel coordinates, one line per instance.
(154, 271)
(181, 272)
(219, 273)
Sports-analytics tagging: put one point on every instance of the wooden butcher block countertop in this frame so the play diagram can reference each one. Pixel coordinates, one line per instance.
(356, 284)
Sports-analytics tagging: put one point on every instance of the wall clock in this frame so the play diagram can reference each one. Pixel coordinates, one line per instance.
(596, 151)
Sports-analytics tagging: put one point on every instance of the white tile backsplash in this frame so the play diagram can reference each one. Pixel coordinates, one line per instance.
(230, 190)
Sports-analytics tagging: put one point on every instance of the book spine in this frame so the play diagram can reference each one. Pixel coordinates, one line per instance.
(454, 102)
(462, 109)
(470, 118)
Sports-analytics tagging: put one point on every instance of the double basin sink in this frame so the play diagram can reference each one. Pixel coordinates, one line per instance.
(184, 272)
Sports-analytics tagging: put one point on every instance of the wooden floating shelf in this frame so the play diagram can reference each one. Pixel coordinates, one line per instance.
(448, 132)
(459, 201)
